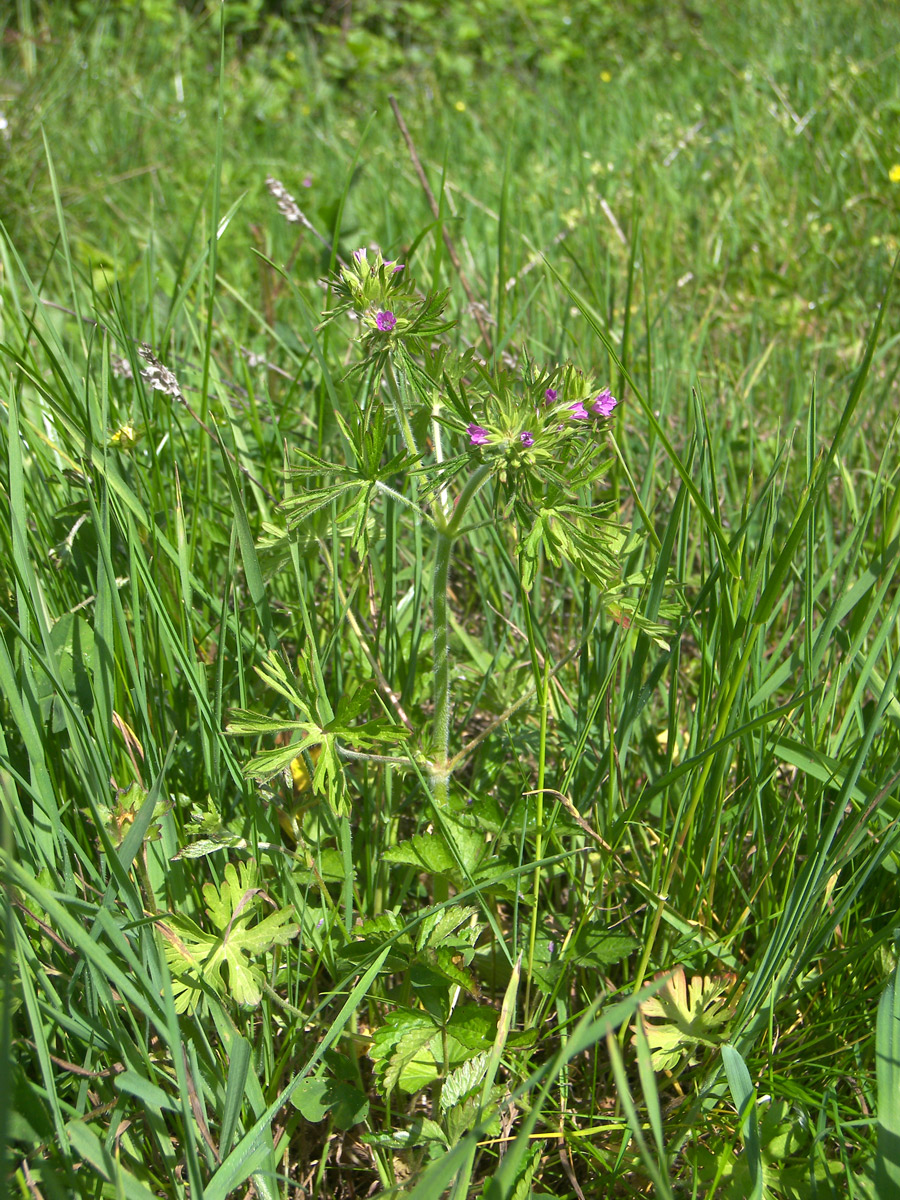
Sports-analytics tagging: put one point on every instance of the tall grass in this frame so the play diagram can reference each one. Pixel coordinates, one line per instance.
(662, 975)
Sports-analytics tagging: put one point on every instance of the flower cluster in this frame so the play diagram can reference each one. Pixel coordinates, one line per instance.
(370, 282)
(519, 424)
(381, 295)
(395, 321)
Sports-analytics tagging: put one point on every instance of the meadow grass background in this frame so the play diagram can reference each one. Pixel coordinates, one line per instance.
(704, 211)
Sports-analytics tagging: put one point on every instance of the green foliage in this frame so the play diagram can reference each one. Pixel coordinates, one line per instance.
(887, 1063)
(361, 758)
(328, 776)
(686, 1015)
(316, 1099)
(224, 958)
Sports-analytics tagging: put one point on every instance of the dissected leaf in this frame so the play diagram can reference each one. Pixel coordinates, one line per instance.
(684, 1015)
(320, 737)
(209, 833)
(225, 960)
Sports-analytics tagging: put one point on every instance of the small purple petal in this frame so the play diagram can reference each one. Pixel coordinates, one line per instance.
(360, 255)
(398, 267)
(551, 394)
(526, 438)
(579, 412)
(604, 404)
(477, 435)
(307, 182)
(385, 321)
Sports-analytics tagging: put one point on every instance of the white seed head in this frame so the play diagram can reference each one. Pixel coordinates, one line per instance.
(157, 375)
(287, 205)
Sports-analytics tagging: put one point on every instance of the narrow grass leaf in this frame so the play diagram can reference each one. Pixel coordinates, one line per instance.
(743, 1094)
(887, 1070)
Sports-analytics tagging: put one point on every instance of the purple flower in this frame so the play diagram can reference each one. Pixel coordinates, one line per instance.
(551, 394)
(477, 435)
(579, 412)
(385, 321)
(360, 255)
(604, 404)
(307, 182)
(526, 438)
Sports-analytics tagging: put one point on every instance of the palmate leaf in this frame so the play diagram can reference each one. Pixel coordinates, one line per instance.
(199, 958)
(585, 537)
(328, 778)
(427, 851)
(408, 1050)
(315, 1098)
(246, 723)
(269, 763)
(303, 505)
(431, 852)
(685, 1015)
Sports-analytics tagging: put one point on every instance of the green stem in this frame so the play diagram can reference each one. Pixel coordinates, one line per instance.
(474, 484)
(440, 749)
(447, 529)
(539, 830)
(397, 389)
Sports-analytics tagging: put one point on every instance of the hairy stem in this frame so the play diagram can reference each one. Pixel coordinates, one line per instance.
(440, 749)
(397, 389)
(447, 528)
